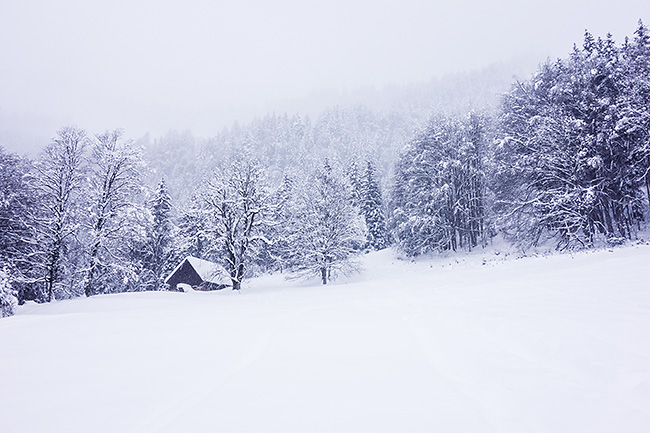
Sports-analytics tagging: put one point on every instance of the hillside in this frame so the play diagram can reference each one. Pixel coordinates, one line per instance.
(474, 343)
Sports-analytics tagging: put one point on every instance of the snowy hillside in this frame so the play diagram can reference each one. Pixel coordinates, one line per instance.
(478, 343)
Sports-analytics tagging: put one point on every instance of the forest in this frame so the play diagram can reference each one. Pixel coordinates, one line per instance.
(561, 159)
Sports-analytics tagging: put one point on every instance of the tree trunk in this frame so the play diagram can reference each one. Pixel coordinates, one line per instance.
(88, 289)
(647, 187)
(49, 284)
(90, 276)
(52, 274)
(53, 264)
(238, 276)
(323, 274)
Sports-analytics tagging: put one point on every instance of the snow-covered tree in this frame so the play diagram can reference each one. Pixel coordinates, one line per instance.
(573, 153)
(114, 182)
(8, 296)
(356, 184)
(158, 252)
(238, 204)
(130, 249)
(634, 124)
(58, 179)
(193, 228)
(372, 208)
(145, 244)
(151, 241)
(17, 234)
(329, 226)
(439, 188)
(279, 253)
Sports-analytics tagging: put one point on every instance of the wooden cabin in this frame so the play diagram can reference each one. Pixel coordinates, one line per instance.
(199, 275)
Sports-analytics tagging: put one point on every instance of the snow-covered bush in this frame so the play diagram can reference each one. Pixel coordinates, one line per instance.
(8, 300)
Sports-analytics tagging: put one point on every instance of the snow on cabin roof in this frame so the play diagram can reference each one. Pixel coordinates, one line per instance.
(208, 271)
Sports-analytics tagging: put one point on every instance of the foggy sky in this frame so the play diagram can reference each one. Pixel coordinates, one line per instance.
(148, 65)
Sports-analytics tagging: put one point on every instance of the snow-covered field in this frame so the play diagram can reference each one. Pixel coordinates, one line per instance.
(546, 344)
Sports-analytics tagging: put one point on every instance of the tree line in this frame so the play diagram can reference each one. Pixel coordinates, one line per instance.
(565, 159)
(574, 146)
(79, 221)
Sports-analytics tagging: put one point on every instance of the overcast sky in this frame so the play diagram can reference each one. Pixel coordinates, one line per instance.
(153, 65)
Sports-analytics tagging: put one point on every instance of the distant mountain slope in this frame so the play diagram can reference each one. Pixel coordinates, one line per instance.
(362, 124)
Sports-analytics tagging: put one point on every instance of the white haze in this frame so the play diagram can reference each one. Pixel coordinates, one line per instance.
(149, 66)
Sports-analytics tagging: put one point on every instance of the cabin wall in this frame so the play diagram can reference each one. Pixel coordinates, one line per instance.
(185, 274)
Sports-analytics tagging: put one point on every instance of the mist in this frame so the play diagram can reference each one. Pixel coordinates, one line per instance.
(150, 66)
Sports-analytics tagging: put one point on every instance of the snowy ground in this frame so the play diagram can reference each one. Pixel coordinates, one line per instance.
(547, 344)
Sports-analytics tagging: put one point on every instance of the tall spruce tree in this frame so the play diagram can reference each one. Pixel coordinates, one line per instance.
(161, 253)
(372, 208)
(279, 254)
(193, 228)
(356, 184)
(634, 125)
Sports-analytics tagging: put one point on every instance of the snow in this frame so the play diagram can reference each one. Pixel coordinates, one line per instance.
(468, 343)
(208, 271)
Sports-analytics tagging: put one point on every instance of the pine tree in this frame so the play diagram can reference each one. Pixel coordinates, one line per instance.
(372, 209)
(193, 229)
(356, 185)
(160, 251)
(279, 254)
(589, 44)
(634, 124)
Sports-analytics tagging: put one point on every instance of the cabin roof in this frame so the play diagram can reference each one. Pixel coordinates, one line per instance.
(207, 271)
